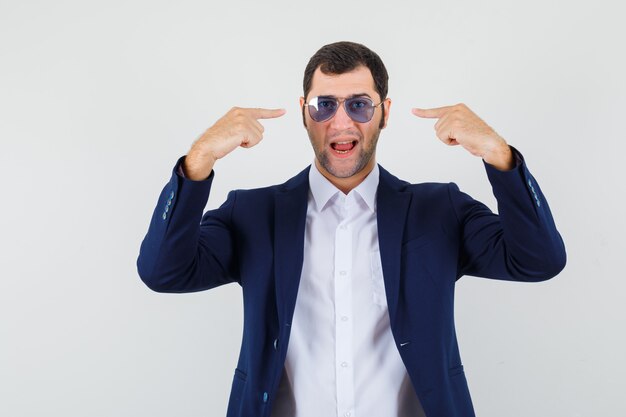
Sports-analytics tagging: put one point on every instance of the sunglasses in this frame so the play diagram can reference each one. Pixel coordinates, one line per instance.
(360, 109)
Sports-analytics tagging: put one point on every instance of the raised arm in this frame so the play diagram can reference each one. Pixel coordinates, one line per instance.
(175, 256)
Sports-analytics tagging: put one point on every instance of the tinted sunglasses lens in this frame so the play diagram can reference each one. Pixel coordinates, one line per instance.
(360, 109)
(322, 108)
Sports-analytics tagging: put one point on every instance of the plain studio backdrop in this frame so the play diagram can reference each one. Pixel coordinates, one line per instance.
(99, 99)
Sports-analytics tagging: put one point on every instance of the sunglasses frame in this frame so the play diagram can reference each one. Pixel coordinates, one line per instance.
(345, 107)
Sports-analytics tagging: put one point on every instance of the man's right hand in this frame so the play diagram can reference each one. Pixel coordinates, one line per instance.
(238, 127)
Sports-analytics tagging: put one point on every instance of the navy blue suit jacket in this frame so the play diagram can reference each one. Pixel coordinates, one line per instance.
(429, 236)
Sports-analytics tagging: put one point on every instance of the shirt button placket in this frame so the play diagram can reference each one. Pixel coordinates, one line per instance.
(343, 307)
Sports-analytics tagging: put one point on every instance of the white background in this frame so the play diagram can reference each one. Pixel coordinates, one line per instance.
(99, 99)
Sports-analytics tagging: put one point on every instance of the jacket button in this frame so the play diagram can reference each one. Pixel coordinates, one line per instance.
(265, 397)
(275, 344)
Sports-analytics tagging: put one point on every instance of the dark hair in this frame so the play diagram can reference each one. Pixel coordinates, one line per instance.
(342, 57)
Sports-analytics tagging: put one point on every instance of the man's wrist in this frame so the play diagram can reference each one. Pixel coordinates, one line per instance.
(197, 168)
(501, 157)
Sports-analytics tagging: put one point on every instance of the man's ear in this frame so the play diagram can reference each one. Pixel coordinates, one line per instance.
(386, 106)
(302, 107)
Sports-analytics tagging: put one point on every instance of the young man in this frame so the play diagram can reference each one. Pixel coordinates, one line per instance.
(347, 272)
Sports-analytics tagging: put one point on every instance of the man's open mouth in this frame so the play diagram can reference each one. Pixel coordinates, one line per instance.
(343, 147)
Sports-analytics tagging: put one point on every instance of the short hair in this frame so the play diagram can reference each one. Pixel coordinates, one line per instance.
(341, 57)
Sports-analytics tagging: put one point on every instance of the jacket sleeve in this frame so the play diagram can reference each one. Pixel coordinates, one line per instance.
(181, 254)
(522, 242)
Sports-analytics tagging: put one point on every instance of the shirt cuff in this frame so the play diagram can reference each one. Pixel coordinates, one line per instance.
(180, 171)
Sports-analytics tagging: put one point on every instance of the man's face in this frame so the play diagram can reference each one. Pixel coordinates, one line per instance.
(344, 148)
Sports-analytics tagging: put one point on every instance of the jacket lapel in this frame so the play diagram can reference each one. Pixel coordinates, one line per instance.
(289, 222)
(392, 206)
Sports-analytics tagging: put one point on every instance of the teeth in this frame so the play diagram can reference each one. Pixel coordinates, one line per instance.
(343, 143)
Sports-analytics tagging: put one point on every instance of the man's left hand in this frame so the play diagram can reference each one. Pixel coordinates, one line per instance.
(458, 125)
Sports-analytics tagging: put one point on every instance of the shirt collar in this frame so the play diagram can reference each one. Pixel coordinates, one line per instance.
(323, 190)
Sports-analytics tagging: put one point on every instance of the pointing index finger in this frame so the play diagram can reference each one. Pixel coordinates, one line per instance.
(260, 113)
(434, 113)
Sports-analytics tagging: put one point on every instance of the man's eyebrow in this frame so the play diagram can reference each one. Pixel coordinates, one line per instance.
(350, 96)
(359, 95)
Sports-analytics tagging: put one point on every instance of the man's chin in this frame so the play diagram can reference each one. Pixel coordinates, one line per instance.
(343, 169)
(342, 174)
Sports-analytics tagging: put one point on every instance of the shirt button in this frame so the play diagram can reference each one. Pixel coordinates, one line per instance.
(343, 273)
(344, 364)
(347, 414)
(342, 227)
(344, 318)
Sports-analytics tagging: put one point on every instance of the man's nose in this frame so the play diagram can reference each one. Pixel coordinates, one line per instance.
(341, 120)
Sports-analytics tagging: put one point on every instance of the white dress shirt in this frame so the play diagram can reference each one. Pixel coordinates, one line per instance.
(342, 359)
